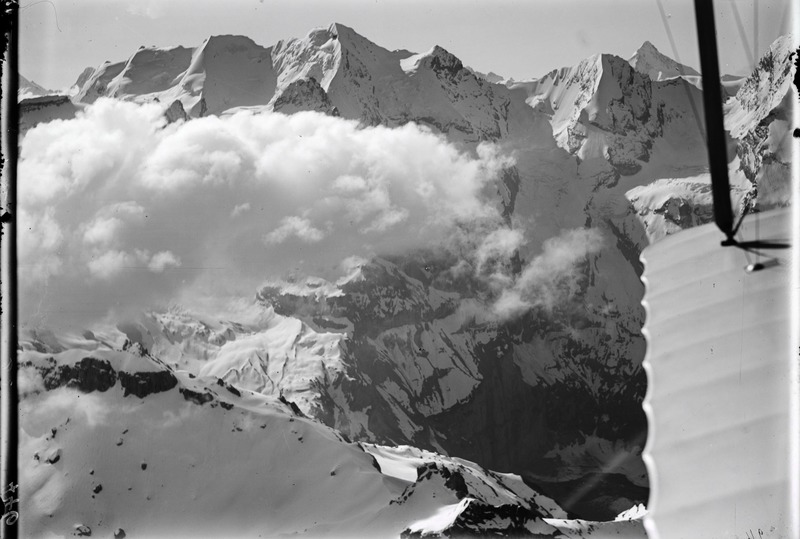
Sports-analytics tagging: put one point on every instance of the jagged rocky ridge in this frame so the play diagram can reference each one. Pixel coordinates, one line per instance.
(554, 395)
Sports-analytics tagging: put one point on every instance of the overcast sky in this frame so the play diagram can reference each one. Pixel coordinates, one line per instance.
(514, 38)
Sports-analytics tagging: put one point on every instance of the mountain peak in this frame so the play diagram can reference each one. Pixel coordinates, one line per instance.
(647, 46)
(28, 88)
(339, 28)
(649, 60)
(440, 58)
(334, 31)
(229, 42)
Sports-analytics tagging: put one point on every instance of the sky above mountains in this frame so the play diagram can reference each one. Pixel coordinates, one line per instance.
(514, 38)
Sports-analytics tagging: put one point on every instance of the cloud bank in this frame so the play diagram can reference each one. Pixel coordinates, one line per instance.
(121, 211)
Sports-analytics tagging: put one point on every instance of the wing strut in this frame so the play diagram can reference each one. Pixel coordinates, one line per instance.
(715, 126)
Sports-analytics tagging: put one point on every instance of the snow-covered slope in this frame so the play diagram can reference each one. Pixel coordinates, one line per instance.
(113, 441)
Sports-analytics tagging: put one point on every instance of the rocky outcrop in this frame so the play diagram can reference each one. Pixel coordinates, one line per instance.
(92, 374)
(304, 94)
(142, 384)
(88, 375)
(36, 110)
(175, 112)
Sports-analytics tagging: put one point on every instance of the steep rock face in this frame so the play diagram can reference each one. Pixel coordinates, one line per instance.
(759, 118)
(606, 108)
(304, 94)
(175, 112)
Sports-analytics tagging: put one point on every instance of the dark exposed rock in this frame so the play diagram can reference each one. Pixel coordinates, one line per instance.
(89, 374)
(479, 519)
(295, 409)
(455, 482)
(175, 112)
(43, 109)
(611, 492)
(142, 384)
(54, 457)
(230, 388)
(304, 94)
(195, 397)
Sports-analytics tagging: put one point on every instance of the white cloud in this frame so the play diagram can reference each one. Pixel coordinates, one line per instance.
(163, 260)
(297, 227)
(496, 249)
(102, 231)
(551, 277)
(102, 191)
(95, 149)
(110, 220)
(109, 264)
(40, 245)
(240, 209)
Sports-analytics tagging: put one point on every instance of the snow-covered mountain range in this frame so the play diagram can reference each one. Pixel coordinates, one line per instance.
(398, 354)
